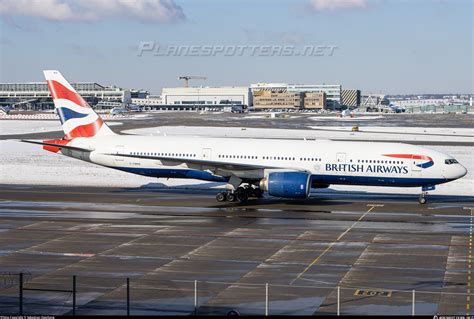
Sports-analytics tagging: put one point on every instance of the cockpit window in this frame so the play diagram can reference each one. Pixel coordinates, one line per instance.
(450, 161)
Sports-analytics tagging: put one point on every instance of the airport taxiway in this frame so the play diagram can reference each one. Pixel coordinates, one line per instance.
(377, 248)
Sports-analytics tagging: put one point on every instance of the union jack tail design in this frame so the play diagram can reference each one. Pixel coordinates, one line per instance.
(78, 119)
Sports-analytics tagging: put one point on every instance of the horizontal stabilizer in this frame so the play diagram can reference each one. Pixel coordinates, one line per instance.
(60, 146)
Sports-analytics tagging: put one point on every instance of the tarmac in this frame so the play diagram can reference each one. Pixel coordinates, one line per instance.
(185, 253)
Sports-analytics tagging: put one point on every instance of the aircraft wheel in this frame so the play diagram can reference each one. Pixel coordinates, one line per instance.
(221, 197)
(422, 199)
(231, 197)
(258, 193)
(242, 196)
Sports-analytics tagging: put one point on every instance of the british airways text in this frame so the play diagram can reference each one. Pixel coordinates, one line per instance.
(361, 168)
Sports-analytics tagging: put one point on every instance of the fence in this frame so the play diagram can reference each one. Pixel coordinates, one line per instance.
(123, 296)
(439, 109)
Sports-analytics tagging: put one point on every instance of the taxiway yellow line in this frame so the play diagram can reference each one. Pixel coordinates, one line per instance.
(334, 242)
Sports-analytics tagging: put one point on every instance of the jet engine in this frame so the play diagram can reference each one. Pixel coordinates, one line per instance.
(287, 184)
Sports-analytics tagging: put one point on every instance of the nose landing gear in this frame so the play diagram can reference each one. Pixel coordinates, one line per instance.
(422, 198)
(424, 192)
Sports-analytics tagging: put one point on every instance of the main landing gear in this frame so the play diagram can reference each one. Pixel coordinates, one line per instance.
(241, 194)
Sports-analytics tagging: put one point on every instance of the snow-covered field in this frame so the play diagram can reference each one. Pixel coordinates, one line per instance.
(347, 118)
(25, 127)
(269, 116)
(449, 131)
(402, 134)
(12, 127)
(28, 164)
(319, 132)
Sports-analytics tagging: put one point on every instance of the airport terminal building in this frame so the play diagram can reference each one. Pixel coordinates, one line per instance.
(295, 96)
(149, 100)
(207, 96)
(36, 95)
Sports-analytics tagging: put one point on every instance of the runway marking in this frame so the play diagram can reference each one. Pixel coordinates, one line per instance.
(372, 206)
(469, 263)
(373, 292)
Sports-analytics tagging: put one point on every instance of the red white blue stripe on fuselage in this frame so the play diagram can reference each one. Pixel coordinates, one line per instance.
(428, 160)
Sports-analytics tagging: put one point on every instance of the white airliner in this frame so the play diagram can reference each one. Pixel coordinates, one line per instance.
(281, 168)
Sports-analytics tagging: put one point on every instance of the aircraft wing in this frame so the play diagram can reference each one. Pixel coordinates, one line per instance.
(194, 161)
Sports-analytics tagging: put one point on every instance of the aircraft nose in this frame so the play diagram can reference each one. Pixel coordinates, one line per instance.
(463, 171)
(457, 171)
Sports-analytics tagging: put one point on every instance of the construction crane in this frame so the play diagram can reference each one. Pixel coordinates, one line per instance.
(186, 79)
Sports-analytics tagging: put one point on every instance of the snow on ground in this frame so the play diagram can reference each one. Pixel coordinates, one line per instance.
(25, 127)
(347, 118)
(318, 132)
(254, 116)
(394, 134)
(12, 127)
(402, 134)
(405, 130)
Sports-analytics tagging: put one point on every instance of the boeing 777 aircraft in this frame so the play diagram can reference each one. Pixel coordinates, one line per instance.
(281, 168)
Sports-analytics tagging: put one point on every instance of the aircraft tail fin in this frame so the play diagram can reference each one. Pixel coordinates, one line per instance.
(78, 119)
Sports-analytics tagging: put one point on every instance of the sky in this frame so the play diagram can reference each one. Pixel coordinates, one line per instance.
(377, 46)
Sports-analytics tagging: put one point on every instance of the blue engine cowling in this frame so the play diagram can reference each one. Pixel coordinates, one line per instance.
(288, 184)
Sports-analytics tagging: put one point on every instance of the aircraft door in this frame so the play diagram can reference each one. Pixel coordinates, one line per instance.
(413, 165)
(119, 149)
(206, 154)
(416, 170)
(341, 158)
